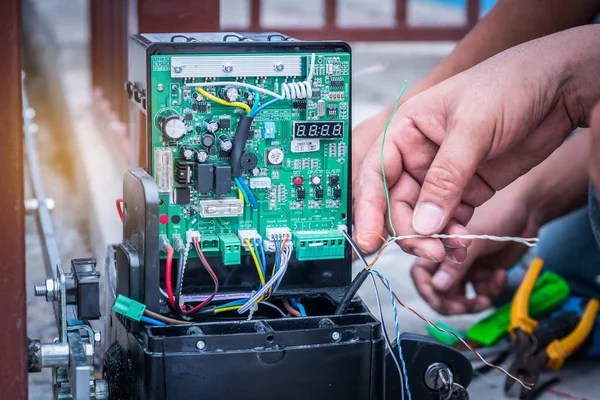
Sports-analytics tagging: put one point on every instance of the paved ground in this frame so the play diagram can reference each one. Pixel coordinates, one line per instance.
(61, 24)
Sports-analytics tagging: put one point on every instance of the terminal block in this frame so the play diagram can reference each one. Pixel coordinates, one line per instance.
(320, 245)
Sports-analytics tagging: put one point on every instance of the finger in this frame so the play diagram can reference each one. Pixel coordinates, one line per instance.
(449, 174)
(455, 228)
(402, 197)
(594, 163)
(370, 200)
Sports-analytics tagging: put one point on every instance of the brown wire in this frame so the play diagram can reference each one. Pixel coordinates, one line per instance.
(167, 320)
(526, 385)
(290, 309)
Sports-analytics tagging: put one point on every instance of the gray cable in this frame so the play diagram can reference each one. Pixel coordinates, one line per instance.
(266, 303)
(385, 335)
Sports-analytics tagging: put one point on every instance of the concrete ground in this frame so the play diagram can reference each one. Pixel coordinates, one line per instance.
(85, 217)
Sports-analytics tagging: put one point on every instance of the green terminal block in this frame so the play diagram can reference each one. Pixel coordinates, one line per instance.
(230, 248)
(319, 246)
(209, 243)
(129, 308)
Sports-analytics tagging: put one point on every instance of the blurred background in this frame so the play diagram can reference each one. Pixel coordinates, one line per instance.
(75, 60)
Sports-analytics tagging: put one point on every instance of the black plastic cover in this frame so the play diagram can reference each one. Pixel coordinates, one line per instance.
(222, 179)
(204, 178)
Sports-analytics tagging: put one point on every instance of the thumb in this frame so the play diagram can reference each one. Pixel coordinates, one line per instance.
(451, 170)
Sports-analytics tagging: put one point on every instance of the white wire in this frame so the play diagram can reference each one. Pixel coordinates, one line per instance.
(266, 303)
(530, 242)
(385, 335)
(289, 90)
(278, 275)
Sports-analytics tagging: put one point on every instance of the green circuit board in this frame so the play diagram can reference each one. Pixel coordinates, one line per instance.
(300, 151)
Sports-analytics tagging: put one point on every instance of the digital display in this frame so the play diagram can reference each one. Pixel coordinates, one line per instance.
(318, 129)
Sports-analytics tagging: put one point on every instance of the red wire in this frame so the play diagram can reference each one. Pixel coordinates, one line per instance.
(119, 203)
(213, 276)
(168, 273)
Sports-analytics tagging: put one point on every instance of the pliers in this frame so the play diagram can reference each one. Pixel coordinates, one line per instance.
(545, 344)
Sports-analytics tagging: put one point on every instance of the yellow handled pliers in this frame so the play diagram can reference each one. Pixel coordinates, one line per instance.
(548, 343)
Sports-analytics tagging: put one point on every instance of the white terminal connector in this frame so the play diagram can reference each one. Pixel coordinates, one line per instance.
(191, 235)
(269, 245)
(248, 234)
(278, 233)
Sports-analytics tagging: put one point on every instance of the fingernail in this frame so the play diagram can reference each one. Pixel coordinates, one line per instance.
(428, 218)
(430, 257)
(442, 280)
(453, 259)
(462, 243)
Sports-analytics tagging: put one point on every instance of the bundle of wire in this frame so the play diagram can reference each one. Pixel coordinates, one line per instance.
(257, 251)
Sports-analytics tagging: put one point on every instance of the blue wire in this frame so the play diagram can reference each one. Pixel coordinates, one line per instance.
(267, 104)
(248, 192)
(254, 243)
(152, 321)
(256, 101)
(263, 256)
(389, 287)
(299, 306)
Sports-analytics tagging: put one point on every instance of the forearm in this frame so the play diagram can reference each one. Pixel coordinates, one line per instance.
(509, 23)
(559, 184)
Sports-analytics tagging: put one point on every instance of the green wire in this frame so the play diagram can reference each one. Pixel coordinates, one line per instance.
(256, 101)
(385, 188)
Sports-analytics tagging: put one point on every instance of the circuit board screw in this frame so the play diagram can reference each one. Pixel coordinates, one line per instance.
(160, 87)
(336, 336)
(177, 68)
(278, 67)
(201, 345)
(227, 68)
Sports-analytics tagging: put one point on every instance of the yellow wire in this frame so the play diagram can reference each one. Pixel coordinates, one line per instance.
(218, 310)
(221, 101)
(260, 274)
(241, 195)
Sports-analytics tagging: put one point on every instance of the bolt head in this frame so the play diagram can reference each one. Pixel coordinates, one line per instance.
(201, 345)
(278, 67)
(177, 68)
(336, 336)
(227, 68)
(160, 87)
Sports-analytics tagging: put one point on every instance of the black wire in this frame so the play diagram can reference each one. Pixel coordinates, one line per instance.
(356, 283)
(179, 283)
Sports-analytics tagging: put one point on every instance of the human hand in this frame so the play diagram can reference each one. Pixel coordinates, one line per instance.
(450, 148)
(443, 285)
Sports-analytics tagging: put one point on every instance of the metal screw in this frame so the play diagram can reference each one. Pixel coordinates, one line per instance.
(336, 336)
(227, 68)
(177, 68)
(201, 345)
(97, 338)
(434, 376)
(47, 290)
(278, 67)
(160, 87)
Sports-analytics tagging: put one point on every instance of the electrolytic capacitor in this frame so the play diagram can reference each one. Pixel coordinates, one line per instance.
(230, 93)
(255, 171)
(225, 143)
(208, 139)
(173, 128)
(211, 125)
(202, 156)
(187, 152)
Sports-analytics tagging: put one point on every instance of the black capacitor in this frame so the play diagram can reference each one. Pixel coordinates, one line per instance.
(248, 160)
(225, 143)
(211, 125)
(187, 152)
(202, 156)
(208, 139)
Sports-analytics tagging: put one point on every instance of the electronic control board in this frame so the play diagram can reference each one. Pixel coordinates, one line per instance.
(251, 146)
